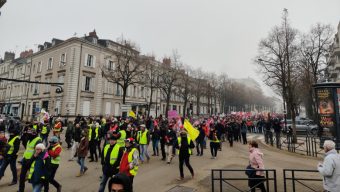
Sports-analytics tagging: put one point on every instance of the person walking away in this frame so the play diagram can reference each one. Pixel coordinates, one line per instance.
(111, 157)
(54, 152)
(214, 142)
(155, 136)
(184, 145)
(39, 168)
(244, 129)
(68, 135)
(256, 162)
(143, 138)
(268, 132)
(230, 130)
(45, 130)
(170, 142)
(93, 137)
(121, 136)
(277, 129)
(33, 140)
(82, 152)
(76, 136)
(200, 140)
(330, 168)
(11, 156)
(129, 162)
(163, 132)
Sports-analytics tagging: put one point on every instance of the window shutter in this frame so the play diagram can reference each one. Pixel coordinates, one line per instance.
(86, 56)
(91, 84)
(94, 62)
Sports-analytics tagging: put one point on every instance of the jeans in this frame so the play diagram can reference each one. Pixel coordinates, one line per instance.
(74, 149)
(155, 147)
(37, 187)
(103, 183)
(81, 162)
(185, 159)
(12, 162)
(144, 151)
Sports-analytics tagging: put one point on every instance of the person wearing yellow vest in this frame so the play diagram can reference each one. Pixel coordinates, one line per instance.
(45, 130)
(143, 139)
(214, 142)
(121, 137)
(184, 145)
(39, 168)
(129, 162)
(54, 151)
(111, 156)
(93, 139)
(57, 128)
(11, 156)
(33, 140)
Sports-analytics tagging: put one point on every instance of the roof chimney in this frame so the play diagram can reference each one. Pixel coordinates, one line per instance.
(9, 56)
(26, 53)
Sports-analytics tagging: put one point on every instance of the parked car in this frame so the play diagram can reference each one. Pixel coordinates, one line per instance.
(303, 126)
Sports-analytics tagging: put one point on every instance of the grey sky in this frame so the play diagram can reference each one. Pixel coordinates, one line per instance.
(216, 35)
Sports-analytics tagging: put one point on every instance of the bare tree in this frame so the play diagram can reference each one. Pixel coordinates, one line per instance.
(198, 88)
(277, 60)
(169, 75)
(184, 86)
(128, 68)
(314, 48)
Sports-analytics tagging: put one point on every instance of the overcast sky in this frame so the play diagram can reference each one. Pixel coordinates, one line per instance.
(216, 35)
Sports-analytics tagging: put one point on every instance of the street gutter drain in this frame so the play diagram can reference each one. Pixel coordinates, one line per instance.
(181, 189)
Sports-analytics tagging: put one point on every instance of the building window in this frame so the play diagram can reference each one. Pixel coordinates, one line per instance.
(142, 92)
(50, 63)
(62, 60)
(117, 89)
(110, 65)
(89, 61)
(36, 89)
(88, 83)
(47, 87)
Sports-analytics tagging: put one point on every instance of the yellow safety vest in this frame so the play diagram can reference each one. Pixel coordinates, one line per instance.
(142, 137)
(114, 153)
(30, 148)
(32, 171)
(90, 132)
(134, 170)
(44, 130)
(35, 127)
(179, 139)
(11, 144)
(121, 141)
(56, 160)
(215, 141)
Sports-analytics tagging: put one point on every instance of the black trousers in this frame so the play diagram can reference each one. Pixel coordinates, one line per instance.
(131, 179)
(98, 146)
(93, 150)
(53, 170)
(163, 148)
(199, 147)
(214, 148)
(244, 138)
(26, 165)
(258, 182)
(185, 159)
(12, 162)
(230, 139)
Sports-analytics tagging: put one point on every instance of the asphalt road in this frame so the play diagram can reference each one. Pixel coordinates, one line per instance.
(157, 176)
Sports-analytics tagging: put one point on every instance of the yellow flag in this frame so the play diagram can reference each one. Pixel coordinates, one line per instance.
(132, 114)
(193, 133)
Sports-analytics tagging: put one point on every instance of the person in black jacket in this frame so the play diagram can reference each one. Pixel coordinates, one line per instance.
(76, 136)
(110, 166)
(184, 145)
(11, 156)
(200, 140)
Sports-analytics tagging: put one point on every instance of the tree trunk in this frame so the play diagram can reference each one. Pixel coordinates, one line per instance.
(198, 106)
(185, 107)
(168, 97)
(150, 102)
(124, 93)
